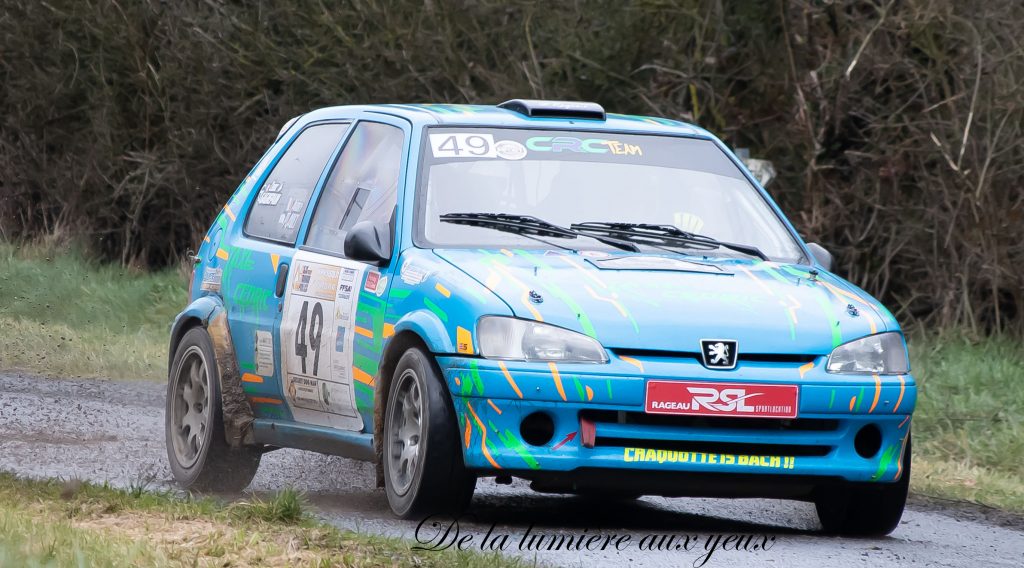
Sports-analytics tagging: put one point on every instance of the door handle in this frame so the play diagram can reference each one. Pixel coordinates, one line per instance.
(282, 279)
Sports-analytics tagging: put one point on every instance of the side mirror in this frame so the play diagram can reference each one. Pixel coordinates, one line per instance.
(368, 242)
(823, 257)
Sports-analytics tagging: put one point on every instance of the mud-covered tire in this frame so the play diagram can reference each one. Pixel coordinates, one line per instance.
(866, 510)
(199, 454)
(424, 472)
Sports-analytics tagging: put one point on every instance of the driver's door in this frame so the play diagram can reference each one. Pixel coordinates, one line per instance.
(331, 326)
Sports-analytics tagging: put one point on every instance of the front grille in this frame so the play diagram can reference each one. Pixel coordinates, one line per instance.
(660, 429)
(784, 358)
(723, 423)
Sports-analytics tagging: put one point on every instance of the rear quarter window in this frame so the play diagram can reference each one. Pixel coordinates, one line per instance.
(281, 202)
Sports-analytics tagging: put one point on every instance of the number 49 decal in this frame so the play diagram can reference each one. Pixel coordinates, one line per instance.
(462, 145)
(316, 330)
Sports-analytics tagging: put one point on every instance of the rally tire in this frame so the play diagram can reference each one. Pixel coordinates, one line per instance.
(864, 510)
(199, 454)
(424, 472)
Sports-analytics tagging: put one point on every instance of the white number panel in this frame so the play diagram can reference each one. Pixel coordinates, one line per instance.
(317, 334)
(462, 145)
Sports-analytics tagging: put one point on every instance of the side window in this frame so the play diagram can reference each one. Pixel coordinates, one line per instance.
(282, 201)
(362, 186)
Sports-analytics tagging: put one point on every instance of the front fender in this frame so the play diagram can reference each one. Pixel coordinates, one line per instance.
(198, 312)
(429, 328)
(209, 313)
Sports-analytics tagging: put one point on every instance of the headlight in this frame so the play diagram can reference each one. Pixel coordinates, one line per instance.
(524, 340)
(881, 354)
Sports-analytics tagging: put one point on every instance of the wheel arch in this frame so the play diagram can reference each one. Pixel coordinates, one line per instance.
(197, 314)
(209, 313)
(181, 326)
(405, 338)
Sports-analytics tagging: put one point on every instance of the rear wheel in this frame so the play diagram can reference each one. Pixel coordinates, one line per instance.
(423, 468)
(864, 509)
(199, 454)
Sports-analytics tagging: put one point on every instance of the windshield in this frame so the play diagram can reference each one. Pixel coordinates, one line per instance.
(568, 177)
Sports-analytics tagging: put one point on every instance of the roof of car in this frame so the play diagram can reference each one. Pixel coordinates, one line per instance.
(493, 115)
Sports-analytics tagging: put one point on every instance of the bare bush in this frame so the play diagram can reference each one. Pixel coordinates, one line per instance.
(894, 125)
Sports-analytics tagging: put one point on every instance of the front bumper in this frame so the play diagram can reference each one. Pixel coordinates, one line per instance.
(597, 413)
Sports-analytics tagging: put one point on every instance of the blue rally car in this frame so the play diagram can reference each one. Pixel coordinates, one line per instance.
(600, 304)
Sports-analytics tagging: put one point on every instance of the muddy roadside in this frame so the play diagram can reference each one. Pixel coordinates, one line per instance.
(101, 430)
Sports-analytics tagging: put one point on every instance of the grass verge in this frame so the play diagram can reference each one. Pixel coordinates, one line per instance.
(64, 315)
(969, 422)
(50, 523)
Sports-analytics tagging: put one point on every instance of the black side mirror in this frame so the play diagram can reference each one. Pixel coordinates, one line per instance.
(823, 257)
(368, 242)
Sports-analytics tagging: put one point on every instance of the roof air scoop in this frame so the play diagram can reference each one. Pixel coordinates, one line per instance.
(555, 109)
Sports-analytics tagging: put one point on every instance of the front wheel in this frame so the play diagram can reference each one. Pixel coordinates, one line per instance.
(199, 453)
(865, 509)
(423, 468)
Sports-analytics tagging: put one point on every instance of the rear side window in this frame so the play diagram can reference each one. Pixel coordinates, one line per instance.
(282, 201)
(362, 186)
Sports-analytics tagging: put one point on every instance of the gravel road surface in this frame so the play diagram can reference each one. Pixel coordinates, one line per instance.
(112, 431)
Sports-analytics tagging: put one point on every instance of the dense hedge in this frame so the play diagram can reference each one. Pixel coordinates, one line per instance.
(895, 127)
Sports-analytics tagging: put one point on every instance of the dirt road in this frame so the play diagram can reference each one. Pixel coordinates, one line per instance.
(113, 431)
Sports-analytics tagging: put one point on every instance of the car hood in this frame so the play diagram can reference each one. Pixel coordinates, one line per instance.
(671, 302)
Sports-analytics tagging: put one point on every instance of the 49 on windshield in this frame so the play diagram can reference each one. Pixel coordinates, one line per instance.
(566, 178)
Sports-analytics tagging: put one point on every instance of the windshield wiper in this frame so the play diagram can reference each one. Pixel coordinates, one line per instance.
(531, 227)
(660, 236)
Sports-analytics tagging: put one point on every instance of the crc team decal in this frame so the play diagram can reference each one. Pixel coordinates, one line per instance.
(671, 456)
(722, 399)
(317, 332)
(582, 145)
